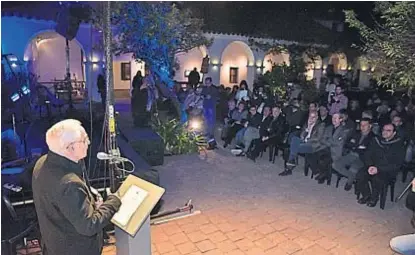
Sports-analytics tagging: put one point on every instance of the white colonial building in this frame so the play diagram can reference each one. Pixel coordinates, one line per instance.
(32, 39)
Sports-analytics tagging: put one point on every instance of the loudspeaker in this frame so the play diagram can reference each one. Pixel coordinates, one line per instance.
(147, 143)
(67, 23)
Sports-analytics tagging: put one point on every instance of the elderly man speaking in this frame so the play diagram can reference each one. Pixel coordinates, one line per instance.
(71, 219)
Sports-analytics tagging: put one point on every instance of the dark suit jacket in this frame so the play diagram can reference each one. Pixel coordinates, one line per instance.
(352, 144)
(387, 156)
(278, 127)
(336, 140)
(69, 222)
(317, 136)
(263, 128)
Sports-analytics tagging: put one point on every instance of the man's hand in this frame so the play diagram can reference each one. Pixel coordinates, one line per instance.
(265, 138)
(373, 170)
(413, 185)
(116, 193)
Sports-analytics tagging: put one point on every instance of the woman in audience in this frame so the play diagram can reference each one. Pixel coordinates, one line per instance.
(243, 91)
(237, 118)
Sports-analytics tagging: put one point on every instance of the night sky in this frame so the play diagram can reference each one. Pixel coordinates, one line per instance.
(319, 9)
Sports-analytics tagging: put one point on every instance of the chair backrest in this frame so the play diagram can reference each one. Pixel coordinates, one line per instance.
(9, 207)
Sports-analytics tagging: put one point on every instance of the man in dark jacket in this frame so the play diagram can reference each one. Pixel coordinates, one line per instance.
(194, 78)
(334, 138)
(324, 116)
(382, 161)
(277, 127)
(251, 131)
(352, 161)
(71, 219)
(310, 141)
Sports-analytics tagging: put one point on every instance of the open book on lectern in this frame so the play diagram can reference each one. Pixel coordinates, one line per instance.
(138, 199)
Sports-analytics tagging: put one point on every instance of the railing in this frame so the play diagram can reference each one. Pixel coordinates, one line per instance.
(61, 89)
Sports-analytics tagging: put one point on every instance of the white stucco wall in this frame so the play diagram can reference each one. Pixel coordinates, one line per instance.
(125, 58)
(277, 59)
(50, 59)
(187, 62)
(225, 51)
(17, 33)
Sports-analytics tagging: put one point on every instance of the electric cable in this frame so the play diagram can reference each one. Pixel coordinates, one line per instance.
(90, 111)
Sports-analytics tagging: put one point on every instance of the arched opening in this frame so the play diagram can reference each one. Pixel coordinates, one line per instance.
(312, 64)
(275, 59)
(338, 61)
(46, 57)
(188, 61)
(236, 58)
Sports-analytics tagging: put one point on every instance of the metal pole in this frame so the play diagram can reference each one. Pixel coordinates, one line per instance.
(68, 73)
(110, 118)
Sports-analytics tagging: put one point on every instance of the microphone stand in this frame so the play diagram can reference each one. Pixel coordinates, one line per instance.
(110, 119)
(403, 192)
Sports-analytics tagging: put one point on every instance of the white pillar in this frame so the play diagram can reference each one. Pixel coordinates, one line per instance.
(214, 73)
(364, 79)
(250, 76)
(317, 75)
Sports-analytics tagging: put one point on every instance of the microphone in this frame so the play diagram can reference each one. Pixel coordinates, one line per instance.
(105, 156)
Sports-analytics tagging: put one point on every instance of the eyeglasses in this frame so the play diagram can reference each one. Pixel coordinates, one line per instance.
(84, 141)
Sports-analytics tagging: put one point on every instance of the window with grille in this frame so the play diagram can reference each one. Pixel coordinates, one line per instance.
(233, 75)
(126, 71)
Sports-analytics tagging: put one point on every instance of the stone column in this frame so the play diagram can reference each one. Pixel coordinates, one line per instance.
(317, 77)
(214, 73)
(250, 76)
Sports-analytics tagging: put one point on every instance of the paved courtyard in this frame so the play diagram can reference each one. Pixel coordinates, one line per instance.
(248, 209)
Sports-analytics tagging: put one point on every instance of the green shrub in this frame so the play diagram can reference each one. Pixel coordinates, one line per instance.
(177, 138)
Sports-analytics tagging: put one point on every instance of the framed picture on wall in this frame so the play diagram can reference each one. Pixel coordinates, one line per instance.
(125, 71)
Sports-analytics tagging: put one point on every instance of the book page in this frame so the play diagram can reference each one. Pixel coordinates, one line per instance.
(130, 202)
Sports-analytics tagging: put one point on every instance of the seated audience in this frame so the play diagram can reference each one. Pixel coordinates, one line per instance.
(273, 135)
(243, 92)
(194, 103)
(310, 141)
(404, 134)
(347, 122)
(251, 131)
(294, 115)
(238, 117)
(354, 111)
(324, 116)
(382, 161)
(228, 118)
(335, 137)
(352, 161)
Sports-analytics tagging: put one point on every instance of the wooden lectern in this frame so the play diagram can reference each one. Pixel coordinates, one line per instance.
(132, 221)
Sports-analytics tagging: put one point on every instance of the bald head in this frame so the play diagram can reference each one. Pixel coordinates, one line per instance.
(68, 138)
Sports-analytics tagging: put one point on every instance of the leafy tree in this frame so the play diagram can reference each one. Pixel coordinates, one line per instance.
(389, 46)
(154, 32)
